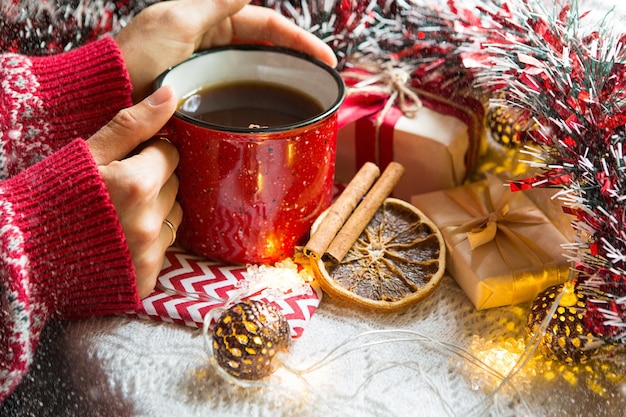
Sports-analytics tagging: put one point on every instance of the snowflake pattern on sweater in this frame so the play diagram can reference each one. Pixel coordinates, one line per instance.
(16, 327)
(26, 117)
(20, 147)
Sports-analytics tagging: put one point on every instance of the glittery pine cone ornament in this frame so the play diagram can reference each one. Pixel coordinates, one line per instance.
(508, 137)
(566, 338)
(501, 127)
(248, 337)
(505, 125)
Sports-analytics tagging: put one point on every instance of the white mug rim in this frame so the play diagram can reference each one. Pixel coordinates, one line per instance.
(329, 110)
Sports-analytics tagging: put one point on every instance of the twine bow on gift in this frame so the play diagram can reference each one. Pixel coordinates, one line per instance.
(492, 220)
(391, 82)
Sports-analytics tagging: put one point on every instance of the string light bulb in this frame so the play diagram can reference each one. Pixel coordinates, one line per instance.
(248, 338)
(566, 338)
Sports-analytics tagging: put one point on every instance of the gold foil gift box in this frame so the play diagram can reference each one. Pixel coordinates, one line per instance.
(502, 250)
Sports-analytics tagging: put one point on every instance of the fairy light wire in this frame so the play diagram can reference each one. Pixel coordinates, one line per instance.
(411, 336)
(390, 336)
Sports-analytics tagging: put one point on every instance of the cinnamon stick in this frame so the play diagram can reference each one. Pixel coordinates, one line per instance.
(364, 212)
(341, 209)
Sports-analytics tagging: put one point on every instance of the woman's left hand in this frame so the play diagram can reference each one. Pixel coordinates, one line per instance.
(142, 186)
(168, 32)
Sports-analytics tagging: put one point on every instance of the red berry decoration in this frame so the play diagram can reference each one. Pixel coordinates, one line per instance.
(247, 338)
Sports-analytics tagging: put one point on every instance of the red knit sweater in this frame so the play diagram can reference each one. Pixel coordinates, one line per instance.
(62, 251)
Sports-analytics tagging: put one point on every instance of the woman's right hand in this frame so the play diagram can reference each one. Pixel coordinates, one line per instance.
(139, 175)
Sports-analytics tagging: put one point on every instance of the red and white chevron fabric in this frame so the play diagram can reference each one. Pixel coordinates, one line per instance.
(190, 286)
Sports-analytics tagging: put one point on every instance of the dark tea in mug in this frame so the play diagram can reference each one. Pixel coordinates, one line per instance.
(250, 104)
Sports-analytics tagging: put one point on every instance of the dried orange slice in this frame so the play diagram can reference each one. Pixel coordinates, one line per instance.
(397, 261)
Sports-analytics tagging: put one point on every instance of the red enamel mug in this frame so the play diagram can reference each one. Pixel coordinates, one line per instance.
(251, 193)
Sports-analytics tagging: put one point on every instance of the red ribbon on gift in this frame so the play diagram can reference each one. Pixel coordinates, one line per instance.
(375, 103)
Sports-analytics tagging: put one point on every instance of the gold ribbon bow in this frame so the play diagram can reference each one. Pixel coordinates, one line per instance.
(493, 220)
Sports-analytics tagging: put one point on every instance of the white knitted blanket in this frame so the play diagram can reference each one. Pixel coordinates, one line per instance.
(118, 366)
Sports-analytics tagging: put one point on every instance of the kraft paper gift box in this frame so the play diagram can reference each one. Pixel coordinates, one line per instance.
(502, 250)
(437, 143)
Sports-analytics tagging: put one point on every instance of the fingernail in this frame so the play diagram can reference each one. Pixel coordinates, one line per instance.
(160, 96)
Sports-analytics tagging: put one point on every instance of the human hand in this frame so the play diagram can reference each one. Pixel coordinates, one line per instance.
(167, 33)
(142, 185)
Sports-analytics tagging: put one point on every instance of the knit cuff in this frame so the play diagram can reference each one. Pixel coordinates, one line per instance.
(82, 89)
(79, 260)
